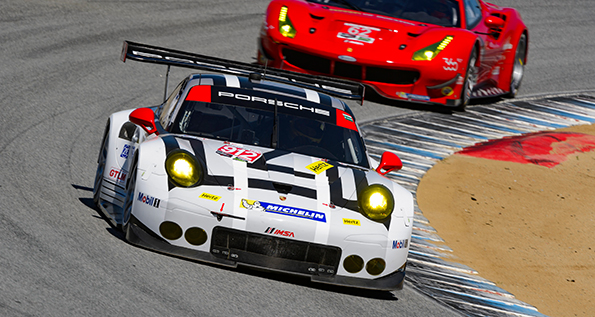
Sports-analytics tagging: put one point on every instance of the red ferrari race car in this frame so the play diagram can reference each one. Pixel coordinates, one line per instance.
(428, 51)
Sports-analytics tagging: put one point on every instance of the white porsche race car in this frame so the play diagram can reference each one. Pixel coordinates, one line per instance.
(242, 168)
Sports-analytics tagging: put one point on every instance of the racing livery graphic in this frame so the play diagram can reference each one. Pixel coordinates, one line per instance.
(423, 51)
(242, 168)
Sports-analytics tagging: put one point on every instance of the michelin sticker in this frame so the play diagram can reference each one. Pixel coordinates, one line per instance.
(283, 210)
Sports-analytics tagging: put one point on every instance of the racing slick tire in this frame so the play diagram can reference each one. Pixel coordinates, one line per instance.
(518, 69)
(129, 199)
(470, 80)
(101, 159)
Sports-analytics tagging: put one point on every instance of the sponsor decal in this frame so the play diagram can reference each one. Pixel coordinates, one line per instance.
(117, 174)
(412, 96)
(149, 200)
(347, 58)
(353, 222)
(359, 33)
(126, 151)
(278, 232)
(209, 196)
(451, 65)
(319, 167)
(231, 188)
(238, 154)
(272, 102)
(283, 210)
(345, 120)
(400, 244)
(447, 91)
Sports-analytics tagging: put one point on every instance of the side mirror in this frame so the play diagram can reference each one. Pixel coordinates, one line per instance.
(145, 118)
(494, 22)
(389, 162)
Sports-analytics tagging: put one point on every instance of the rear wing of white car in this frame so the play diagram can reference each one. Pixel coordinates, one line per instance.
(152, 54)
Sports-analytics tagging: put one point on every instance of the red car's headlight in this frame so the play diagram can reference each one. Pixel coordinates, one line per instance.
(430, 52)
(285, 27)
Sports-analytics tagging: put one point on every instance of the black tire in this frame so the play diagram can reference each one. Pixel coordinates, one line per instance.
(101, 159)
(469, 82)
(129, 199)
(518, 70)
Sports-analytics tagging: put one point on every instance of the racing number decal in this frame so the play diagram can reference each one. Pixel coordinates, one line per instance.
(356, 32)
(236, 153)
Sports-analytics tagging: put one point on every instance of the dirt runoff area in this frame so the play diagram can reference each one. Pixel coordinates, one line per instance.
(526, 222)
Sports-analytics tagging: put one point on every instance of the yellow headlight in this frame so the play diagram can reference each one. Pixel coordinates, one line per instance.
(430, 52)
(285, 27)
(376, 202)
(183, 168)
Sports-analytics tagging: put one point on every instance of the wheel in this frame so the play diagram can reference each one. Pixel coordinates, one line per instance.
(518, 70)
(101, 159)
(129, 199)
(470, 81)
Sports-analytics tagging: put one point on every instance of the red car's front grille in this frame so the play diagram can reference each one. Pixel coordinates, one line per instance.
(307, 61)
(326, 66)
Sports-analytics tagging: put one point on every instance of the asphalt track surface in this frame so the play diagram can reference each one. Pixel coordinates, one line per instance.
(61, 77)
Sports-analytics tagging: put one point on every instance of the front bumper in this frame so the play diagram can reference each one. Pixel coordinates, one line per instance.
(231, 248)
(426, 84)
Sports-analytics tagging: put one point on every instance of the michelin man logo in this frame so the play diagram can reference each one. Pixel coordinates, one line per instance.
(254, 206)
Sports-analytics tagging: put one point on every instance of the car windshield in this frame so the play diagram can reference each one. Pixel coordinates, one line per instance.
(439, 12)
(255, 127)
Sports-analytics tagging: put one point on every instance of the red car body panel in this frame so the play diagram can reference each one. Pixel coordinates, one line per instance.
(377, 50)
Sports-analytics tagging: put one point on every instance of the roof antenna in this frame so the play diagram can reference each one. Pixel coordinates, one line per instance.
(166, 83)
(266, 62)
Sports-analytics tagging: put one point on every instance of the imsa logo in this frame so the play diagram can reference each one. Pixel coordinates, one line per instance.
(278, 232)
(149, 200)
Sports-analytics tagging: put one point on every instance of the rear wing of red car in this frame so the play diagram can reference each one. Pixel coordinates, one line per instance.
(152, 54)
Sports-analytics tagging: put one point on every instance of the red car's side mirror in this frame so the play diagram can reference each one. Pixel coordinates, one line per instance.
(389, 162)
(493, 22)
(145, 118)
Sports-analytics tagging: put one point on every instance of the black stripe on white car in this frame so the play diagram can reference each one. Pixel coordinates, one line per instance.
(171, 143)
(270, 185)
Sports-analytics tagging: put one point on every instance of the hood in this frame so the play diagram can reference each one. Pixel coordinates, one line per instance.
(276, 176)
(355, 36)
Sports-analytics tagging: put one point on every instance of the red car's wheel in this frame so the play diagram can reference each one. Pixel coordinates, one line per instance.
(470, 80)
(518, 70)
